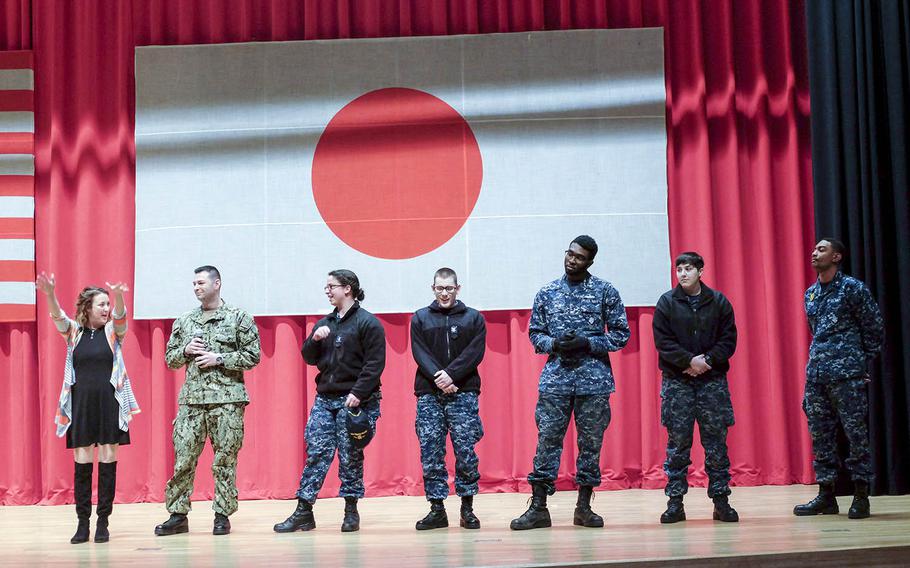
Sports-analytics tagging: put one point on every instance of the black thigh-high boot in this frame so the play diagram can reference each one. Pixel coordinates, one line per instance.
(82, 492)
(107, 486)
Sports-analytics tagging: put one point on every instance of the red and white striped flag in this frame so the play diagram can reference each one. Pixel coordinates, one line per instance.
(17, 187)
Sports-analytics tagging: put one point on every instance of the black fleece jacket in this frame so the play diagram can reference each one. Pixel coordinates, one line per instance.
(351, 359)
(453, 340)
(681, 333)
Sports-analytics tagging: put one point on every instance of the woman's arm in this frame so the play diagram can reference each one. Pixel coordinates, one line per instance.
(119, 312)
(47, 284)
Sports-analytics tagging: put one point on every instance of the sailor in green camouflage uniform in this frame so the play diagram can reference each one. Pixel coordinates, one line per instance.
(216, 342)
(847, 332)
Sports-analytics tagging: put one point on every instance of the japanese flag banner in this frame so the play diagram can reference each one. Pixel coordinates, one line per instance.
(278, 162)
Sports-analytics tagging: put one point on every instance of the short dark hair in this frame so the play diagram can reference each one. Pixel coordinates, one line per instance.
(445, 272)
(837, 247)
(692, 258)
(348, 278)
(211, 270)
(587, 243)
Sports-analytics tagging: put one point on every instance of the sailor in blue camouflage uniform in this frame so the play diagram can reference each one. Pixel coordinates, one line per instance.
(847, 332)
(577, 321)
(348, 348)
(695, 335)
(448, 340)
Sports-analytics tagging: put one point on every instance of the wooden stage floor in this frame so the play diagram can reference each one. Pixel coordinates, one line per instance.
(767, 535)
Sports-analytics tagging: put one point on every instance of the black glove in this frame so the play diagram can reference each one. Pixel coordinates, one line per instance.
(557, 347)
(571, 345)
(558, 343)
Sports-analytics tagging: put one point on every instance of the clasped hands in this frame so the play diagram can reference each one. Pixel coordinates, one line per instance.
(203, 359)
(445, 383)
(697, 366)
(571, 345)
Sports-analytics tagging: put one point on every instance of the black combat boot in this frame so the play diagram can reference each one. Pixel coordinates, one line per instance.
(222, 524)
(468, 519)
(860, 507)
(82, 494)
(107, 486)
(537, 516)
(351, 520)
(723, 511)
(584, 516)
(300, 520)
(675, 511)
(436, 518)
(823, 504)
(176, 524)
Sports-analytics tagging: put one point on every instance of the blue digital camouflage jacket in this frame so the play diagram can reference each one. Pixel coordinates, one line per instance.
(593, 309)
(847, 329)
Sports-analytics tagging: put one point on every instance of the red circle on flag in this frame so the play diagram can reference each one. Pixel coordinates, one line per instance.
(396, 173)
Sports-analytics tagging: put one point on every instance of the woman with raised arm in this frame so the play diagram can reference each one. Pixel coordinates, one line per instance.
(96, 401)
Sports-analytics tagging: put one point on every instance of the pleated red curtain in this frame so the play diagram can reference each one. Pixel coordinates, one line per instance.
(739, 177)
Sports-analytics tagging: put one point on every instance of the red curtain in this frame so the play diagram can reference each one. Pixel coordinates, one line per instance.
(739, 177)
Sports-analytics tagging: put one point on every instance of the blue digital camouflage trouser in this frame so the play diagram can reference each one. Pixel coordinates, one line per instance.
(592, 416)
(826, 404)
(326, 431)
(455, 414)
(683, 402)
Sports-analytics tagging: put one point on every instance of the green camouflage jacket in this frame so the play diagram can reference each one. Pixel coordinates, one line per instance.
(228, 331)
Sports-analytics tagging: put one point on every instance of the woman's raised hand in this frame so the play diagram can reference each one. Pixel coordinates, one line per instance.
(118, 287)
(46, 283)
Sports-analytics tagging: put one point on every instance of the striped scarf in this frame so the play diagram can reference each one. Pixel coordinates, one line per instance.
(114, 330)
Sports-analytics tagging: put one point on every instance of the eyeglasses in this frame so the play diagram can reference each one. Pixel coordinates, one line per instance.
(576, 256)
(330, 287)
(441, 289)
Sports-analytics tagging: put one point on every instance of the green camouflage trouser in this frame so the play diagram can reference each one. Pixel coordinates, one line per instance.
(223, 425)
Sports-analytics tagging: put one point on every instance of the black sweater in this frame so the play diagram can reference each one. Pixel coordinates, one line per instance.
(681, 333)
(453, 340)
(351, 359)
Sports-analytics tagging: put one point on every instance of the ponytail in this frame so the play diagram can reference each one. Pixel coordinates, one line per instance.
(348, 278)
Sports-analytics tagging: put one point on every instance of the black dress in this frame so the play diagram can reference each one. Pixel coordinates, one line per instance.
(96, 413)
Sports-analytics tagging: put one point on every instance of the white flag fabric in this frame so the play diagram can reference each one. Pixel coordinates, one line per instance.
(17, 187)
(278, 162)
